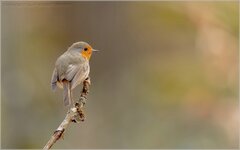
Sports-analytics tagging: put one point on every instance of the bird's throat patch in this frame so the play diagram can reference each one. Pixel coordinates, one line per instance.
(86, 54)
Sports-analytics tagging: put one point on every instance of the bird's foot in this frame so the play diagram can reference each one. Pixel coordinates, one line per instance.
(87, 80)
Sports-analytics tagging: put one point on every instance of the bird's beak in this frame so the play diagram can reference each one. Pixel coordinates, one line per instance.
(94, 50)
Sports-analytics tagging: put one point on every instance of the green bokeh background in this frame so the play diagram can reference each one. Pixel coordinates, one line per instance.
(166, 76)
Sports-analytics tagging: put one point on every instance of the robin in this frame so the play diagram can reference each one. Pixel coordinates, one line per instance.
(71, 69)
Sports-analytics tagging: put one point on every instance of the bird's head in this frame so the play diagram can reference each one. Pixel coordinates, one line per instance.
(83, 48)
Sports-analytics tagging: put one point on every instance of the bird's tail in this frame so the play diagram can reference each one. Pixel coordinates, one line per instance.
(66, 93)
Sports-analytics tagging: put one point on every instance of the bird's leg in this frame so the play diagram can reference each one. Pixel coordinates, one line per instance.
(88, 81)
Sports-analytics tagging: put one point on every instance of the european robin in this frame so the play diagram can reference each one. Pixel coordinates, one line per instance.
(71, 69)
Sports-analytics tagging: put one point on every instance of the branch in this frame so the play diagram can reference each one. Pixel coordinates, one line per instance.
(75, 114)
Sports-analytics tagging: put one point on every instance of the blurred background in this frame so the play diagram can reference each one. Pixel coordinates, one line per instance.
(166, 76)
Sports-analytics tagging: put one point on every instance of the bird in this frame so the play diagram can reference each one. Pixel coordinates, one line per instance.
(71, 69)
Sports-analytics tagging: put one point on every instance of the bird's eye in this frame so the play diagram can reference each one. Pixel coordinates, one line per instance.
(85, 49)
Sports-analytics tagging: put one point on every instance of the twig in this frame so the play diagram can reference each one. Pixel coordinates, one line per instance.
(75, 114)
